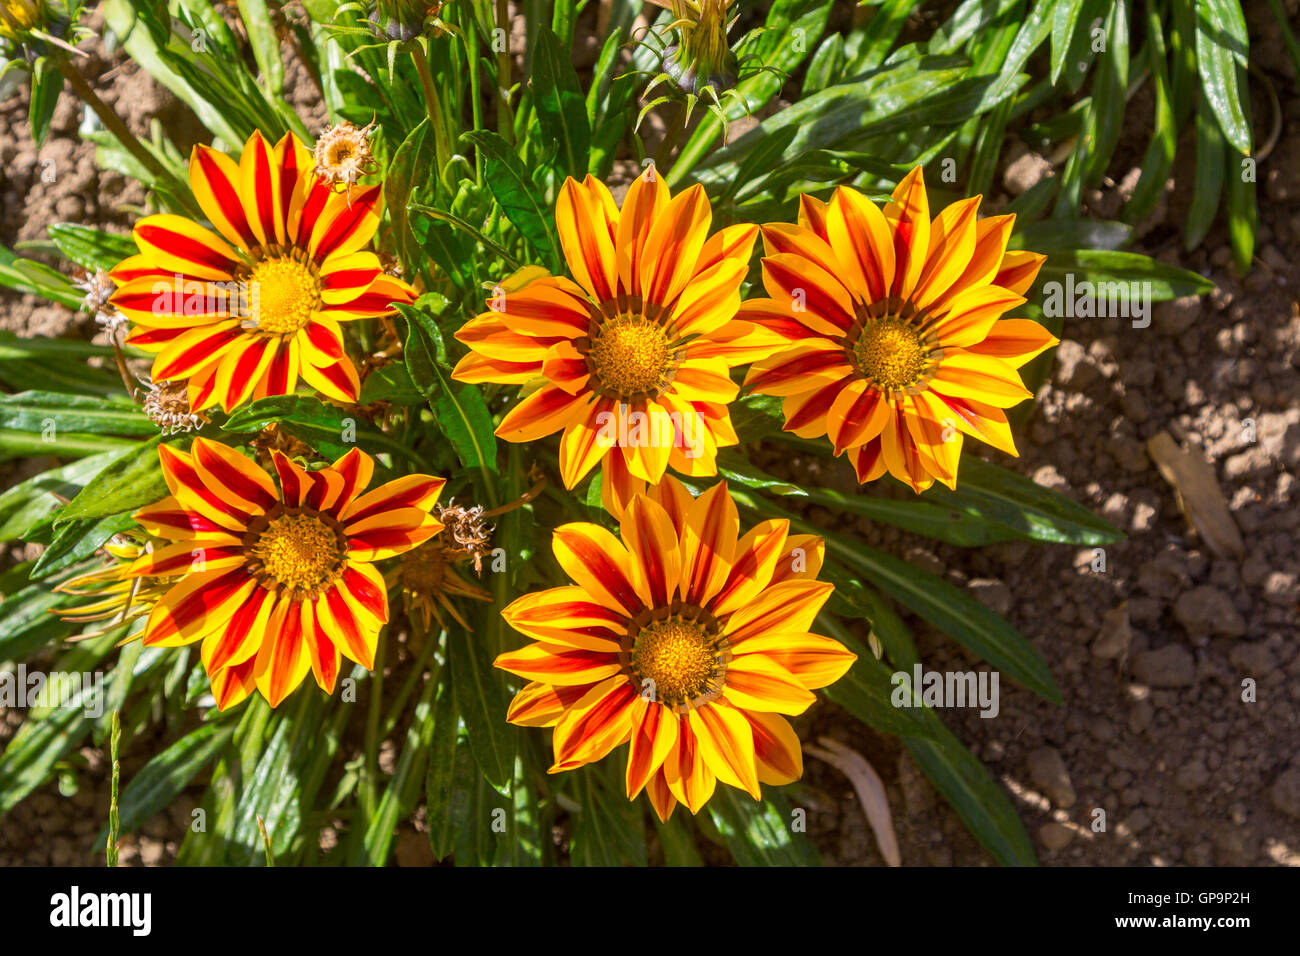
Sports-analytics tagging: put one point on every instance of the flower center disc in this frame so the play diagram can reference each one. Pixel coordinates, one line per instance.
(890, 354)
(630, 357)
(281, 295)
(300, 552)
(682, 658)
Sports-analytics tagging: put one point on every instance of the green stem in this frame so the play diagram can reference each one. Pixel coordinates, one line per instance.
(114, 740)
(408, 686)
(370, 772)
(505, 115)
(113, 123)
(471, 59)
(437, 118)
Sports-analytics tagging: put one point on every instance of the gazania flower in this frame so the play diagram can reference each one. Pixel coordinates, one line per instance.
(896, 345)
(244, 309)
(632, 358)
(17, 17)
(681, 641)
(277, 582)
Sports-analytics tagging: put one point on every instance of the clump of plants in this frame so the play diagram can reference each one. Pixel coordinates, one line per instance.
(430, 434)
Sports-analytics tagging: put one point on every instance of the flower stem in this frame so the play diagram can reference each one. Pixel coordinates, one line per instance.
(437, 119)
(505, 116)
(113, 123)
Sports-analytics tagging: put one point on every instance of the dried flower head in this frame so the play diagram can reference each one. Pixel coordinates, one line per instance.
(168, 406)
(468, 534)
(429, 582)
(343, 154)
(98, 289)
(273, 438)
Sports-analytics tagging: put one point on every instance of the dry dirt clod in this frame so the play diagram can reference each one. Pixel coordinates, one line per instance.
(1168, 666)
(1115, 636)
(1047, 771)
(1055, 836)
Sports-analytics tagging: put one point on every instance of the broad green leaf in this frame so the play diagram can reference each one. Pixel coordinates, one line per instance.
(518, 197)
(50, 413)
(440, 778)
(760, 833)
(982, 805)
(1164, 281)
(481, 700)
(1222, 51)
(130, 482)
(36, 498)
(558, 99)
(1030, 510)
(89, 247)
(954, 612)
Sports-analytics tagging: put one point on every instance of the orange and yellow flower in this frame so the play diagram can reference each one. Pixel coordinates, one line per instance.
(634, 354)
(244, 309)
(680, 639)
(277, 582)
(896, 345)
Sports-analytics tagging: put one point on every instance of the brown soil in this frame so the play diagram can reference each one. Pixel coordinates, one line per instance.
(1158, 736)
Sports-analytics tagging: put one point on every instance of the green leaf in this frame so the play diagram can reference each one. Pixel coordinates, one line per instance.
(867, 692)
(1242, 211)
(954, 612)
(27, 503)
(1210, 176)
(1065, 19)
(29, 624)
(1030, 510)
(76, 540)
(1165, 281)
(47, 84)
(52, 412)
(561, 108)
(737, 469)
(481, 700)
(518, 197)
(440, 778)
(760, 833)
(461, 411)
(941, 522)
(129, 482)
(1222, 49)
(978, 800)
(331, 430)
(91, 248)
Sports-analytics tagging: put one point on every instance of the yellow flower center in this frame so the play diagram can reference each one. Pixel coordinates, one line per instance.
(890, 354)
(282, 292)
(630, 357)
(679, 663)
(301, 552)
